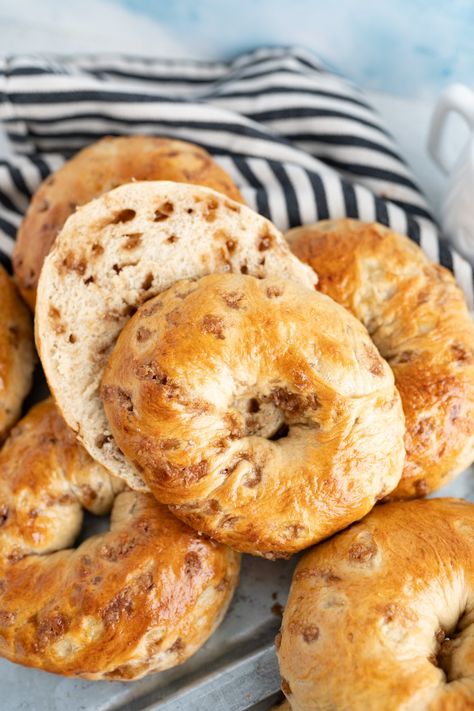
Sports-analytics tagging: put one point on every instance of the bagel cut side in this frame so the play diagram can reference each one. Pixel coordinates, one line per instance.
(136, 599)
(382, 615)
(259, 410)
(100, 167)
(17, 353)
(119, 251)
(418, 319)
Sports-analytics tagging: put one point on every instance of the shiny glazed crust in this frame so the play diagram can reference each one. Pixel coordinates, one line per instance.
(382, 615)
(206, 373)
(17, 356)
(418, 319)
(139, 598)
(95, 170)
(117, 252)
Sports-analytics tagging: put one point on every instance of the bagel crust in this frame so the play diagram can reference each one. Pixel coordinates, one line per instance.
(204, 375)
(419, 321)
(382, 615)
(140, 598)
(17, 355)
(119, 251)
(100, 167)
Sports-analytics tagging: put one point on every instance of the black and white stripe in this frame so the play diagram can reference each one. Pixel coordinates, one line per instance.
(301, 142)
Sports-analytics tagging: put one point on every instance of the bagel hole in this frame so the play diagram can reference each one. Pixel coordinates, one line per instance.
(271, 414)
(447, 641)
(92, 525)
(257, 416)
(281, 432)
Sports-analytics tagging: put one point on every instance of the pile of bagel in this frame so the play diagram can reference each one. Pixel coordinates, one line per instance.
(221, 388)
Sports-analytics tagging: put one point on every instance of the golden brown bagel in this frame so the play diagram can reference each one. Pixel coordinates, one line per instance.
(139, 598)
(418, 319)
(17, 355)
(117, 252)
(95, 170)
(382, 615)
(207, 372)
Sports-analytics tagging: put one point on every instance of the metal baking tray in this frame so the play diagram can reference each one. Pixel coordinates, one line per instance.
(235, 671)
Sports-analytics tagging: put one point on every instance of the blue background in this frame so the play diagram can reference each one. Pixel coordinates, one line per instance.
(407, 47)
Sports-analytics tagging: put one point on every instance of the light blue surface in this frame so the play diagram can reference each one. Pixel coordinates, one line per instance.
(408, 47)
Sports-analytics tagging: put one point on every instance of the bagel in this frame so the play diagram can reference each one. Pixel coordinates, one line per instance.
(95, 170)
(382, 615)
(204, 375)
(139, 598)
(17, 355)
(118, 251)
(418, 319)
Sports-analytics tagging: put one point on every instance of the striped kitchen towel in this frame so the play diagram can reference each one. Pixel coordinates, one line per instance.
(301, 142)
